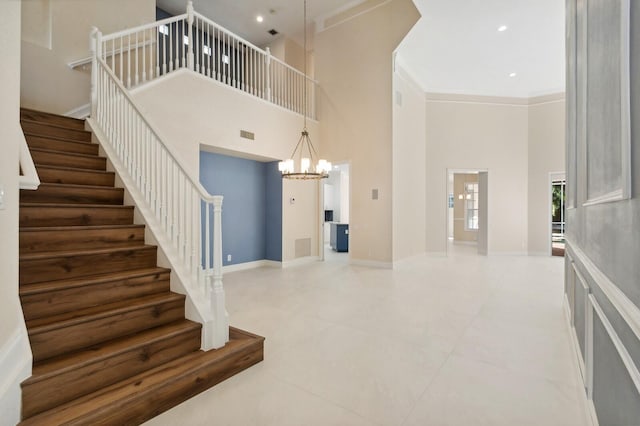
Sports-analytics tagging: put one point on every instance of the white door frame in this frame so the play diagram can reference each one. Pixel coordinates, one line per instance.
(453, 170)
(552, 176)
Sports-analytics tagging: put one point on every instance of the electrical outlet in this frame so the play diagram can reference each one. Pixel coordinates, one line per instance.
(228, 258)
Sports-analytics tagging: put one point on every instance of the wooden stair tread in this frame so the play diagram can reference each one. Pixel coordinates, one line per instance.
(48, 286)
(72, 169)
(78, 227)
(78, 186)
(65, 153)
(70, 253)
(58, 138)
(36, 115)
(61, 364)
(73, 205)
(51, 124)
(43, 325)
(184, 374)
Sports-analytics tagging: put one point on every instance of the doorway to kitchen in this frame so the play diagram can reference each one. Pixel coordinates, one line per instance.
(335, 229)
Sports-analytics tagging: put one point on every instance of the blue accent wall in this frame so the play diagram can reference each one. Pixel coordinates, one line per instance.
(252, 206)
(273, 249)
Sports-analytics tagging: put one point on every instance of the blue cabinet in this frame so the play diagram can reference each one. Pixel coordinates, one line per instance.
(339, 240)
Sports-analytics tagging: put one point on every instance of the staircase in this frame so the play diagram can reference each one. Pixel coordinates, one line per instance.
(109, 339)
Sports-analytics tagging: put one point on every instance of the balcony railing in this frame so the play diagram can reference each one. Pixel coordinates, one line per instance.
(193, 41)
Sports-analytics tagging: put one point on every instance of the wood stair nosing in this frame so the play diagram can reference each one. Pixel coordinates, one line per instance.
(63, 333)
(41, 128)
(56, 238)
(54, 265)
(70, 175)
(62, 145)
(49, 157)
(64, 378)
(58, 297)
(150, 393)
(73, 193)
(34, 115)
(61, 214)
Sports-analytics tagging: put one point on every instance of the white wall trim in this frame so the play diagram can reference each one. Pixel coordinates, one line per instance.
(15, 362)
(251, 265)
(622, 350)
(371, 263)
(300, 261)
(579, 363)
(625, 307)
(81, 112)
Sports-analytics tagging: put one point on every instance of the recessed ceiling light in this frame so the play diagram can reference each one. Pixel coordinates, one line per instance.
(502, 28)
(259, 18)
(513, 74)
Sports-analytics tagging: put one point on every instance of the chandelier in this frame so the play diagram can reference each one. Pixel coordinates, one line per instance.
(304, 151)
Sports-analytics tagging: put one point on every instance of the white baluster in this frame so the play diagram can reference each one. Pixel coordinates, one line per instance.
(190, 58)
(267, 79)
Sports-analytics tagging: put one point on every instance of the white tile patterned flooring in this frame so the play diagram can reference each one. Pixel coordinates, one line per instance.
(463, 340)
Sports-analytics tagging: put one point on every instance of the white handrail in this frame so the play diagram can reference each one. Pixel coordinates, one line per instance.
(28, 174)
(177, 205)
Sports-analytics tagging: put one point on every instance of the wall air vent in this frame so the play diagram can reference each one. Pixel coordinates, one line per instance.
(272, 32)
(247, 135)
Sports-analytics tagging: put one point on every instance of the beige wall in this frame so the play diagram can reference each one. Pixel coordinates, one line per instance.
(15, 354)
(212, 120)
(409, 181)
(355, 113)
(459, 231)
(47, 82)
(546, 155)
(472, 133)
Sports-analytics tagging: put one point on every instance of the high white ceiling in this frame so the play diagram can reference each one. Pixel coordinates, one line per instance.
(455, 48)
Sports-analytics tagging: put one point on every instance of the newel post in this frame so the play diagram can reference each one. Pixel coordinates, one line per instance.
(95, 40)
(221, 318)
(190, 57)
(267, 84)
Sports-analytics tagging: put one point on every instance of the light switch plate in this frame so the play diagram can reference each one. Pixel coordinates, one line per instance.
(1, 197)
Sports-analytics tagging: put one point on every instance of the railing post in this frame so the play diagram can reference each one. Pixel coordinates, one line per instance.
(95, 40)
(267, 83)
(221, 318)
(190, 58)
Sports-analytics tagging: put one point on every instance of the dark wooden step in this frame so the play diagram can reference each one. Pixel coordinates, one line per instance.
(148, 394)
(60, 265)
(56, 130)
(62, 379)
(47, 117)
(59, 174)
(52, 238)
(49, 157)
(60, 144)
(62, 193)
(64, 333)
(60, 296)
(35, 214)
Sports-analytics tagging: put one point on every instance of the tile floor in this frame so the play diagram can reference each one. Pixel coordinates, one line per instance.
(463, 340)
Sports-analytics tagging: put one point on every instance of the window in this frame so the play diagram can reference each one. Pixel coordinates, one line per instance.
(471, 206)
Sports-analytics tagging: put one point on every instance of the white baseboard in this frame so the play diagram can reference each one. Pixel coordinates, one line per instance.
(371, 263)
(15, 363)
(300, 261)
(250, 265)
(83, 111)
